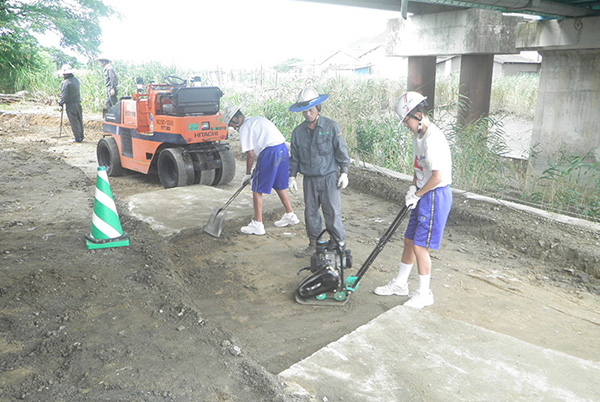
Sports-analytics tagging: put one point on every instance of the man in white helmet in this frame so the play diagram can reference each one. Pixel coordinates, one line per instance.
(429, 197)
(111, 81)
(262, 141)
(70, 99)
(320, 153)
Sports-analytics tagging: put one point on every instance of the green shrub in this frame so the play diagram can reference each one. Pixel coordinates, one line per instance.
(364, 108)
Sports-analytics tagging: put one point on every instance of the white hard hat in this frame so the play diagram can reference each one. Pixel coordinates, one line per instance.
(307, 98)
(407, 102)
(228, 113)
(66, 69)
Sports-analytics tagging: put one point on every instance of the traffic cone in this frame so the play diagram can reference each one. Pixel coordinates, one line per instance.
(106, 227)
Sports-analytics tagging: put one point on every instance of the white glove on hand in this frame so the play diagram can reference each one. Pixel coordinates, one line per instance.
(246, 179)
(412, 198)
(112, 92)
(343, 181)
(293, 185)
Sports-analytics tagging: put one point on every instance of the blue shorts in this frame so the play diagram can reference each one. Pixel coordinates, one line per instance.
(428, 220)
(272, 170)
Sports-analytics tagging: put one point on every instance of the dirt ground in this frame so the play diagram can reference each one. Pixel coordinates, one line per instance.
(195, 318)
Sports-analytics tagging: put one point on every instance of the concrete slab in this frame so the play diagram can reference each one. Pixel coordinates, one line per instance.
(171, 211)
(417, 355)
(82, 156)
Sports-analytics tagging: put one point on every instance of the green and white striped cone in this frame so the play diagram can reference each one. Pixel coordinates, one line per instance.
(106, 227)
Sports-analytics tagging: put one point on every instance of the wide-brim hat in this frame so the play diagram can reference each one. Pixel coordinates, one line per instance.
(308, 98)
(66, 69)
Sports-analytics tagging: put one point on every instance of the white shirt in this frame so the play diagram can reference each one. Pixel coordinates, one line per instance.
(258, 133)
(432, 152)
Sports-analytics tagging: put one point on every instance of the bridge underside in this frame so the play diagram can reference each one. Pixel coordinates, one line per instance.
(567, 116)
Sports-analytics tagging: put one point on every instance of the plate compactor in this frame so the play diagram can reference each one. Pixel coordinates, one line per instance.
(327, 286)
(172, 129)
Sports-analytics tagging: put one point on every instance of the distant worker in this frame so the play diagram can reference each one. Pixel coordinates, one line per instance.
(429, 197)
(196, 81)
(320, 153)
(111, 81)
(261, 141)
(70, 99)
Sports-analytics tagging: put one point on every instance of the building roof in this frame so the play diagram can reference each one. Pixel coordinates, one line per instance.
(517, 59)
(352, 56)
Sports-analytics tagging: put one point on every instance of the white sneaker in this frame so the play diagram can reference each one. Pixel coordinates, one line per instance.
(391, 289)
(420, 300)
(256, 228)
(288, 219)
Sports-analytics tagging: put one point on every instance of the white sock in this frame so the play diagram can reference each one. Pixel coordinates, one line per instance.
(403, 273)
(424, 281)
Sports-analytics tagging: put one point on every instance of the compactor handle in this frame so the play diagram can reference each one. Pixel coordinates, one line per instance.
(382, 242)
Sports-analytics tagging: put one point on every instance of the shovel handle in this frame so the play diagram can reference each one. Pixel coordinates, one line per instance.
(239, 190)
(62, 109)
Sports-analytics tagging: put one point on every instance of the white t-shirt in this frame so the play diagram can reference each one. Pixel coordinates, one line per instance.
(258, 133)
(432, 152)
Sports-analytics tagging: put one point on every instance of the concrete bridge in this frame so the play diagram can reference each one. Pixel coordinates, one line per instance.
(567, 35)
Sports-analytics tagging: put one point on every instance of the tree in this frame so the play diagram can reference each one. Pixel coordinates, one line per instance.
(76, 22)
(286, 65)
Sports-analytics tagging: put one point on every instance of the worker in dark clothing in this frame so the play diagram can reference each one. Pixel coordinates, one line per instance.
(319, 152)
(111, 81)
(70, 99)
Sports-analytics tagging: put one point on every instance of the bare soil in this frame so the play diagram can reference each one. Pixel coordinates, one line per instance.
(194, 318)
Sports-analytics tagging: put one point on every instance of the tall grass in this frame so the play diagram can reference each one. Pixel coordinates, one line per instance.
(476, 156)
(569, 184)
(364, 108)
(43, 81)
(93, 91)
(516, 95)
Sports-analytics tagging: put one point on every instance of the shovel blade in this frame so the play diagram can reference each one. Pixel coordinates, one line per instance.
(215, 223)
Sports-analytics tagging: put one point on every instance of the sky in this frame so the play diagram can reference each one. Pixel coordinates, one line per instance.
(233, 34)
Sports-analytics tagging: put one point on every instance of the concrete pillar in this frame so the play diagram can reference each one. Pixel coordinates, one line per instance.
(475, 34)
(475, 86)
(421, 77)
(567, 116)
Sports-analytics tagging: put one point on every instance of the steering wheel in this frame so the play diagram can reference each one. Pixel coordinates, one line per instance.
(175, 80)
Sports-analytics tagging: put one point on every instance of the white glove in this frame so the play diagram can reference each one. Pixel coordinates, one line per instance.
(112, 92)
(293, 185)
(412, 198)
(246, 179)
(343, 181)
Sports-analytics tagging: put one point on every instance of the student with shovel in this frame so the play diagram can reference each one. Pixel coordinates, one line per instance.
(261, 140)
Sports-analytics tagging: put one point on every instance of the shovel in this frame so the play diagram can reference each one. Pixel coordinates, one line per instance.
(62, 110)
(214, 226)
